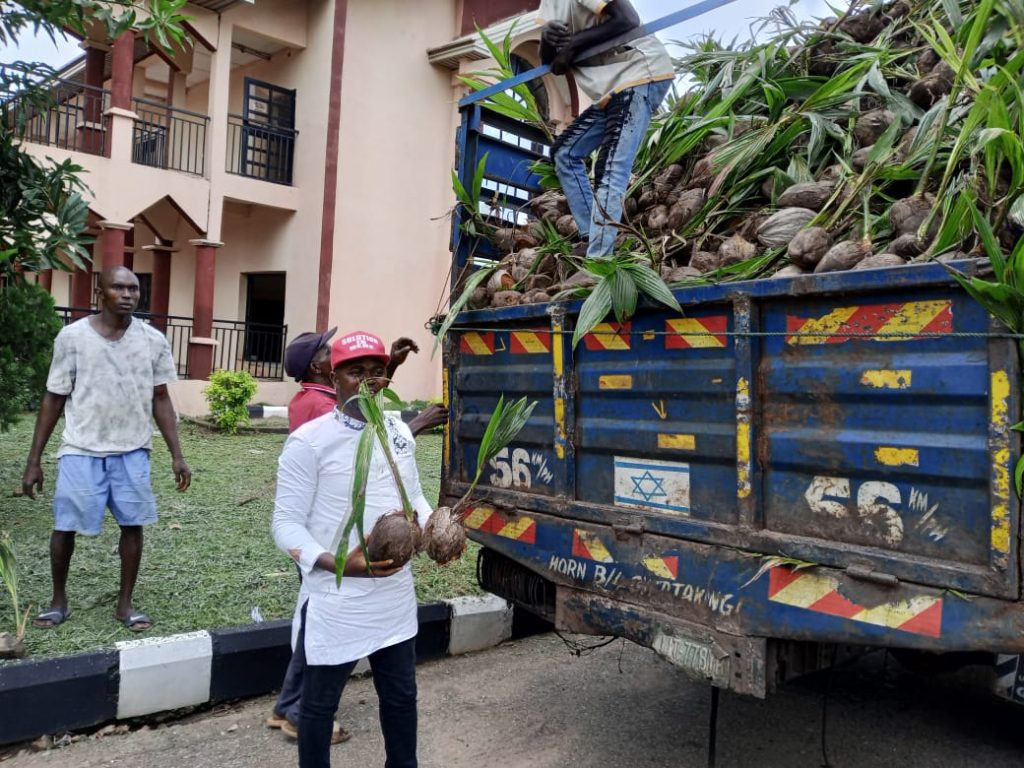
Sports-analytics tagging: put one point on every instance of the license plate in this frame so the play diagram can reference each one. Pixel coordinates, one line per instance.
(698, 657)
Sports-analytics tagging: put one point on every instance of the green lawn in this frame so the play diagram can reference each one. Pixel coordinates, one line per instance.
(208, 562)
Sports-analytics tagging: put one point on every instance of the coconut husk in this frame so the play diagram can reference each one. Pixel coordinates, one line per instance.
(808, 247)
(394, 537)
(714, 141)
(811, 195)
(907, 215)
(519, 272)
(859, 159)
(444, 536)
(896, 10)
(566, 225)
(908, 246)
(926, 61)
(536, 296)
(679, 274)
(657, 219)
(539, 282)
(630, 208)
(933, 86)
(735, 250)
(500, 280)
(903, 148)
(790, 270)
(871, 125)
(685, 208)
(704, 261)
(506, 299)
(842, 256)
(781, 227)
(831, 173)
(703, 170)
(524, 239)
(669, 176)
(822, 61)
(504, 239)
(525, 258)
(479, 299)
(862, 27)
(580, 279)
(648, 199)
(880, 261)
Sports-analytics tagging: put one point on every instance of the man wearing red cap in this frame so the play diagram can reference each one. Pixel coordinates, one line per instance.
(307, 360)
(373, 613)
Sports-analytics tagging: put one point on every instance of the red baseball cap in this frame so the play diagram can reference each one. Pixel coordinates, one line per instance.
(357, 344)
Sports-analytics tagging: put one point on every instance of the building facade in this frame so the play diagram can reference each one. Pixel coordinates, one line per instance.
(288, 172)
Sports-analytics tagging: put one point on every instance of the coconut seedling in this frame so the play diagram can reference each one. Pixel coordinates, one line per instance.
(12, 646)
(444, 536)
(396, 535)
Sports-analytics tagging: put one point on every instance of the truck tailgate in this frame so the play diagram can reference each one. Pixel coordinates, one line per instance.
(859, 420)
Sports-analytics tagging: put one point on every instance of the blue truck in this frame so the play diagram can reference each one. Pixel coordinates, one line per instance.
(790, 465)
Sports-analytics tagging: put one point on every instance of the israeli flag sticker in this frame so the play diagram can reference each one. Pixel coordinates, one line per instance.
(661, 486)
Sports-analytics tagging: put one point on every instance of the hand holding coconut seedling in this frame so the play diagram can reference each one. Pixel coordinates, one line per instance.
(444, 536)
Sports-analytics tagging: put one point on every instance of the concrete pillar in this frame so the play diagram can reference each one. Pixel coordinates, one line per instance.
(121, 117)
(217, 135)
(91, 131)
(81, 287)
(202, 343)
(112, 236)
(122, 70)
(160, 292)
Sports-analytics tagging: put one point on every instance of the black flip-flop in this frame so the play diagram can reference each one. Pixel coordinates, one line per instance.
(132, 620)
(51, 617)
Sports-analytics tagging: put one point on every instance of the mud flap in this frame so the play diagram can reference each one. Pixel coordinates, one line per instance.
(1009, 682)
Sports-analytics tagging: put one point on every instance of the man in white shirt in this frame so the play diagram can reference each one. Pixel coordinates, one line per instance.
(626, 86)
(373, 613)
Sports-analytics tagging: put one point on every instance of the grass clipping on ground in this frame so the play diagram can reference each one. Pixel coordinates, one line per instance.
(209, 561)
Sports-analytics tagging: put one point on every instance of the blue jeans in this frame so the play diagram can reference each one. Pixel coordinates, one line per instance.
(616, 130)
(290, 697)
(394, 677)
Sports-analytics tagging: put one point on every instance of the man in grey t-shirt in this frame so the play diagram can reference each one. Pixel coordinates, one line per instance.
(108, 377)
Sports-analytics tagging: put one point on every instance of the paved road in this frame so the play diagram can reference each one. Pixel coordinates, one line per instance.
(531, 704)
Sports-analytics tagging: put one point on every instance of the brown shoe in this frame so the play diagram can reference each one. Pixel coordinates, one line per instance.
(338, 735)
(275, 721)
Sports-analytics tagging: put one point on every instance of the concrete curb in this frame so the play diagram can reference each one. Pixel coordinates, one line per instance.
(157, 674)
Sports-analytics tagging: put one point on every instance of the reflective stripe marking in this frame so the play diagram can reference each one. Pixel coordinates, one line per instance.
(1000, 441)
(887, 379)
(677, 442)
(624, 381)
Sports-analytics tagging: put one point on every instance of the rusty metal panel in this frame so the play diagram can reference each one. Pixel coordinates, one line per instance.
(725, 661)
(876, 437)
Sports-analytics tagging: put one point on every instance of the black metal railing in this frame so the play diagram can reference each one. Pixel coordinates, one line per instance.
(241, 346)
(72, 118)
(260, 151)
(169, 137)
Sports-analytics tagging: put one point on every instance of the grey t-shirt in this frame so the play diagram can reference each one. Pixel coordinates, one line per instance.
(109, 386)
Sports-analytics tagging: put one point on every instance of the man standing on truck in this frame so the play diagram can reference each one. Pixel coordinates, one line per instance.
(308, 360)
(626, 86)
(108, 377)
(373, 613)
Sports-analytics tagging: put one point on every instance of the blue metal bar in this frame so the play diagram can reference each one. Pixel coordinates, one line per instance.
(685, 14)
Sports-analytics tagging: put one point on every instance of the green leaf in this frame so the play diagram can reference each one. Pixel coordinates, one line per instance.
(594, 310)
(651, 284)
(624, 294)
(472, 284)
(1018, 476)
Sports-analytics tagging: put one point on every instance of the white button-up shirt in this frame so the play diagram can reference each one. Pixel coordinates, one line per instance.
(314, 500)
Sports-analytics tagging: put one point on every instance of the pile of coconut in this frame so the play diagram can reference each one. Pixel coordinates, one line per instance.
(729, 208)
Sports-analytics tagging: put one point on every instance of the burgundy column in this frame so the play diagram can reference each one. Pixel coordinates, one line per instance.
(91, 132)
(129, 248)
(160, 290)
(112, 236)
(122, 68)
(45, 279)
(81, 288)
(202, 343)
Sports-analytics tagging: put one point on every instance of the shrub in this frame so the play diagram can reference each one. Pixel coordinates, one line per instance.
(28, 325)
(228, 394)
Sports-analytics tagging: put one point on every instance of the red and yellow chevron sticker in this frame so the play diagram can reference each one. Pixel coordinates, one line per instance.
(908, 318)
(590, 547)
(609, 336)
(665, 567)
(681, 332)
(820, 593)
(488, 520)
(532, 342)
(477, 343)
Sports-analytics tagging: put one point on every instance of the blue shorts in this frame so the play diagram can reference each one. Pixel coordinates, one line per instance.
(88, 485)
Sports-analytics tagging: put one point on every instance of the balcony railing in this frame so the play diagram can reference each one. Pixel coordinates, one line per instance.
(260, 151)
(242, 346)
(73, 119)
(169, 137)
